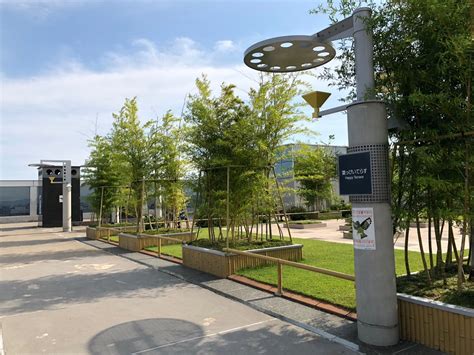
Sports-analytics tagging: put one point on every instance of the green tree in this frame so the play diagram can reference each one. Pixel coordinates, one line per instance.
(237, 142)
(423, 72)
(103, 176)
(314, 168)
(169, 165)
(131, 144)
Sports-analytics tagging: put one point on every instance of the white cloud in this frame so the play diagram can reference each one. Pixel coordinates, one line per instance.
(225, 46)
(52, 115)
(182, 51)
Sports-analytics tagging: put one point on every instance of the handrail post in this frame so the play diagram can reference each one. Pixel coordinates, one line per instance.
(280, 288)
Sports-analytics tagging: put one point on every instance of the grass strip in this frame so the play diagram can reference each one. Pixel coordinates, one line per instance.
(328, 255)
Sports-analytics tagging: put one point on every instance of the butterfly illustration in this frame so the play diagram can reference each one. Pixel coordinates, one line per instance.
(361, 227)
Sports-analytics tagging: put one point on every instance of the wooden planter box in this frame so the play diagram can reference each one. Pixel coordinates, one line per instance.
(436, 324)
(106, 232)
(223, 264)
(347, 235)
(97, 233)
(134, 242)
(307, 226)
(345, 228)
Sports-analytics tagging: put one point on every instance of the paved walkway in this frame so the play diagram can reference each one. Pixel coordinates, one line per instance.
(331, 233)
(61, 293)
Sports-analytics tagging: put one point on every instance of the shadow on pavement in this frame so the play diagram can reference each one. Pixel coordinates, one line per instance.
(30, 258)
(130, 337)
(31, 242)
(173, 336)
(9, 229)
(82, 287)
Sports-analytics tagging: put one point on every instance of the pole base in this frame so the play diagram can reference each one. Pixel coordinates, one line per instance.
(377, 335)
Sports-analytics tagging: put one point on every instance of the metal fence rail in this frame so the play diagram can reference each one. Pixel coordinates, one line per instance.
(281, 262)
(160, 237)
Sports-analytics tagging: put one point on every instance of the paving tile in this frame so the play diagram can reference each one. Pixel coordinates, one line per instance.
(223, 285)
(249, 294)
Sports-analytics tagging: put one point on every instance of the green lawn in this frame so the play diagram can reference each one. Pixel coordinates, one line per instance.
(113, 238)
(172, 250)
(333, 256)
(175, 249)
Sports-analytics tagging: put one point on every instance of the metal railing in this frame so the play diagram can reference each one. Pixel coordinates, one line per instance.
(160, 237)
(281, 262)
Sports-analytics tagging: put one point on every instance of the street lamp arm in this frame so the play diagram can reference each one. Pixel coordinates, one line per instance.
(339, 30)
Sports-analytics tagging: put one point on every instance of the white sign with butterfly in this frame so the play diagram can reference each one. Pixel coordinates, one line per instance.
(363, 232)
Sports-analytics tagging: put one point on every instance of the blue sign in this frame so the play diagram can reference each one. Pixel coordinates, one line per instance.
(355, 174)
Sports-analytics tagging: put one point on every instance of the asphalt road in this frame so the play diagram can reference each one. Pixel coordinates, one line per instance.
(58, 295)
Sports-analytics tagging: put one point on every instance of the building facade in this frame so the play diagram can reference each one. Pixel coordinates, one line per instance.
(284, 169)
(20, 201)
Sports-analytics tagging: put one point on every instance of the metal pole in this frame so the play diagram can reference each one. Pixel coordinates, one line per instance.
(100, 208)
(279, 283)
(227, 216)
(377, 316)
(67, 198)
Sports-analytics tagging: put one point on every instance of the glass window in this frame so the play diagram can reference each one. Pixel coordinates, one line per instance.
(38, 200)
(14, 201)
(284, 168)
(85, 192)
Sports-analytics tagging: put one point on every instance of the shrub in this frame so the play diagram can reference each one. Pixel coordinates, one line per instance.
(297, 217)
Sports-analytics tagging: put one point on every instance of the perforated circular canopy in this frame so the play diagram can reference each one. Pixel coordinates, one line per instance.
(288, 54)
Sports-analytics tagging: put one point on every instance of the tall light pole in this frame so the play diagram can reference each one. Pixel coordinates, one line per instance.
(367, 178)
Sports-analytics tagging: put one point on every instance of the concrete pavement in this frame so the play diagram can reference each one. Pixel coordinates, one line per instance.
(62, 293)
(59, 295)
(331, 233)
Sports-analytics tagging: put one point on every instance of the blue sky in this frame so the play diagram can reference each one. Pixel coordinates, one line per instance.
(67, 65)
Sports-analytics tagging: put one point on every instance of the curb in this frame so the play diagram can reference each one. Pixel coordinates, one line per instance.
(295, 297)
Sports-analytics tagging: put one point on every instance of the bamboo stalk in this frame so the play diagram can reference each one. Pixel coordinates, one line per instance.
(282, 204)
(422, 252)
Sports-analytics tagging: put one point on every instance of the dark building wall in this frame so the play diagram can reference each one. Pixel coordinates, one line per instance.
(52, 208)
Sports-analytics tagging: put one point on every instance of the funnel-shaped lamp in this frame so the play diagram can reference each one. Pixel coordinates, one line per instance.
(316, 99)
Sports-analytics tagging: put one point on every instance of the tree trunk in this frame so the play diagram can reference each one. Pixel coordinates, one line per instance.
(471, 251)
(430, 243)
(140, 208)
(439, 250)
(420, 242)
(465, 217)
(401, 171)
(407, 262)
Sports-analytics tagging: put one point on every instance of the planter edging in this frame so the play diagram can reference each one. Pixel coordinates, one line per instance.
(223, 264)
(447, 307)
(308, 225)
(134, 242)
